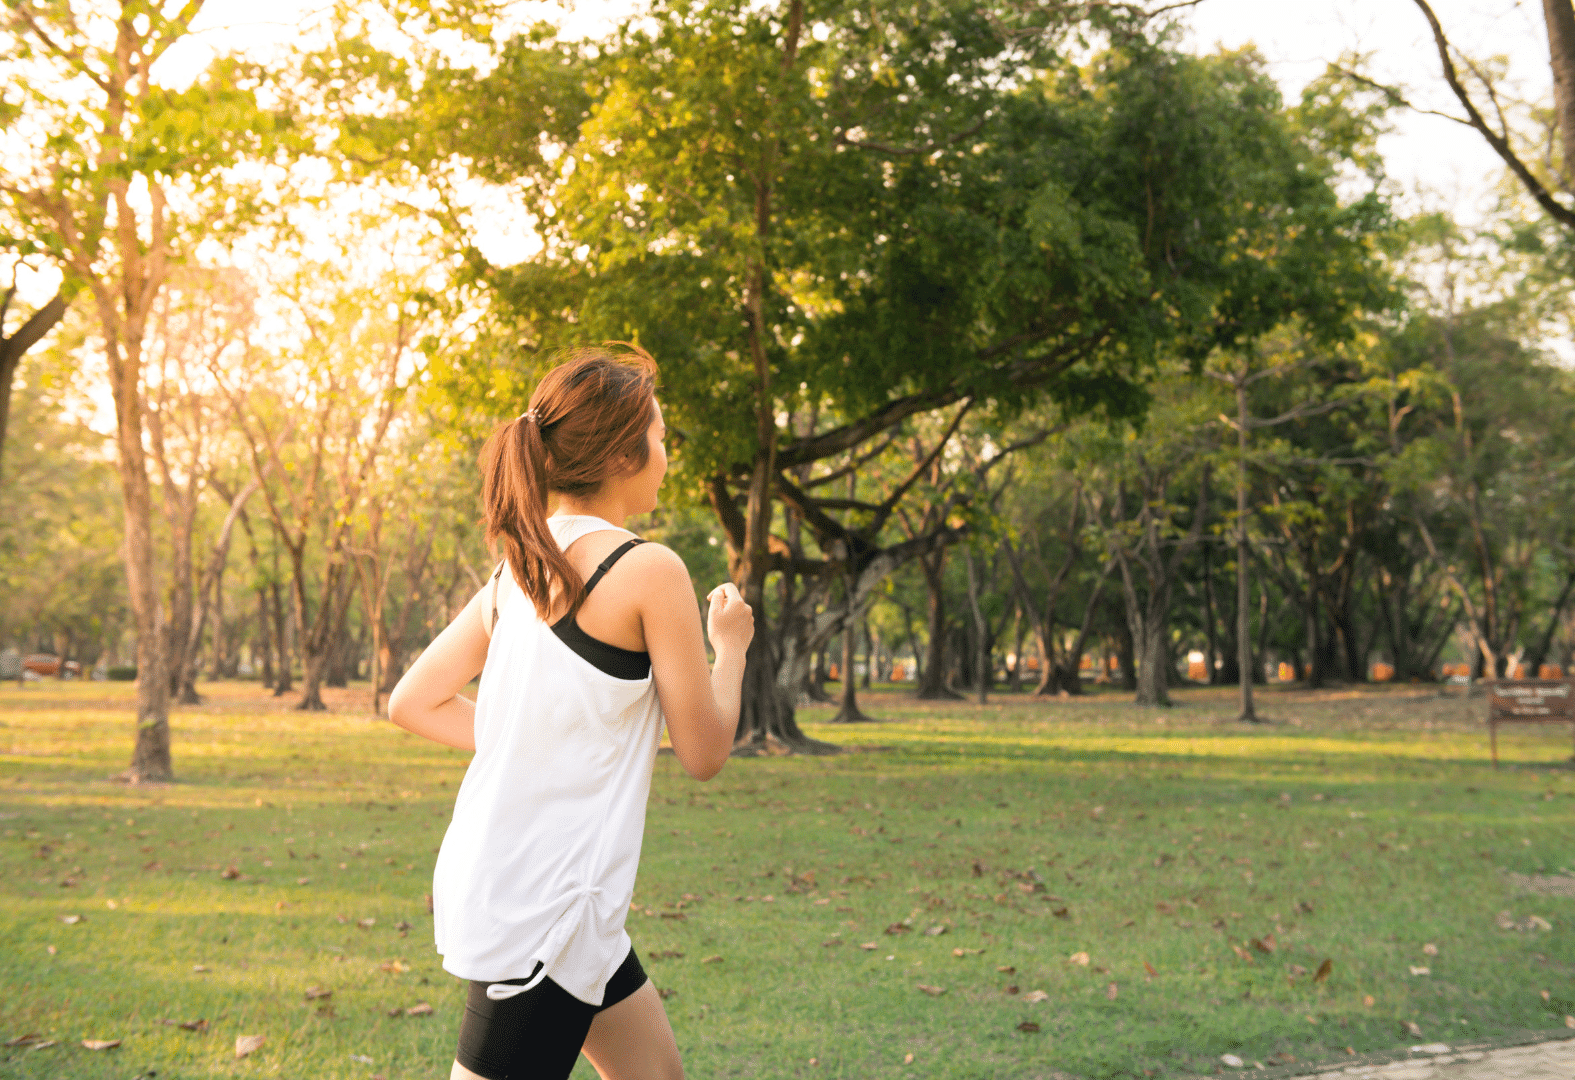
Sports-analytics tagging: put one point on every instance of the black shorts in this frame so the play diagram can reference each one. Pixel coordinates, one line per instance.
(536, 1035)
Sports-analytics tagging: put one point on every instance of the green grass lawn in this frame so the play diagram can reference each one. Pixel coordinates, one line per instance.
(1087, 889)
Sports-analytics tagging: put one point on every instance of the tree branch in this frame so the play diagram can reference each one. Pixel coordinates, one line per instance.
(1557, 210)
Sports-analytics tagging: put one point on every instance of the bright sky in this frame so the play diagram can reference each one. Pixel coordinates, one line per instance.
(1447, 161)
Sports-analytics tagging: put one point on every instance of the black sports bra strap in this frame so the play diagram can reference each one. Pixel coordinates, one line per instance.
(607, 563)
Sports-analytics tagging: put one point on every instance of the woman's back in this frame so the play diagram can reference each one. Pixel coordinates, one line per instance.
(539, 862)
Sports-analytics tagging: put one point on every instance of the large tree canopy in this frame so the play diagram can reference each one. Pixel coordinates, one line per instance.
(825, 222)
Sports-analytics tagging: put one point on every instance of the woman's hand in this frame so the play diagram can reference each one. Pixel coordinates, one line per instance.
(730, 623)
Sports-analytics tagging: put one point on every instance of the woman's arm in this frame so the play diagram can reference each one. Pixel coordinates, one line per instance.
(427, 700)
(701, 707)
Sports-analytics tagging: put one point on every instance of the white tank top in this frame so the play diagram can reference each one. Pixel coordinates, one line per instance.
(538, 864)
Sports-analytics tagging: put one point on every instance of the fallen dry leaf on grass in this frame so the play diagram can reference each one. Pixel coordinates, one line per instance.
(1569, 1021)
(868, 946)
(1164, 908)
(247, 1044)
(199, 969)
(1036, 996)
(72, 920)
(935, 931)
(1420, 970)
(315, 992)
(1112, 992)
(32, 1038)
(394, 967)
(1323, 971)
(665, 994)
(933, 991)
(366, 924)
(101, 1044)
(1412, 1028)
(908, 1060)
(1148, 967)
(193, 1025)
(1079, 958)
(714, 958)
(1061, 913)
(420, 1008)
(1028, 1027)
(1007, 969)
(1010, 989)
(666, 954)
(960, 951)
(1233, 1061)
(230, 873)
(1241, 953)
(1369, 1001)
(1429, 949)
(1265, 944)
(898, 928)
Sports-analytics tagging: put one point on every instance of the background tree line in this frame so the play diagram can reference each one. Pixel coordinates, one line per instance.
(996, 340)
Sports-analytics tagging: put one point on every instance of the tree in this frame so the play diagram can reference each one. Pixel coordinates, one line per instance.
(1131, 480)
(348, 382)
(199, 323)
(1048, 513)
(104, 178)
(14, 346)
(62, 582)
(856, 219)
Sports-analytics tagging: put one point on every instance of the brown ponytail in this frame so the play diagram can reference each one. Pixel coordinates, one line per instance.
(587, 421)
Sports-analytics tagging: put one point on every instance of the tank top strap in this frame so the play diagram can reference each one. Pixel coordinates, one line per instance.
(607, 563)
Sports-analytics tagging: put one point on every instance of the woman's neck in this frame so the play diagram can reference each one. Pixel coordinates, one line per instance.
(608, 509)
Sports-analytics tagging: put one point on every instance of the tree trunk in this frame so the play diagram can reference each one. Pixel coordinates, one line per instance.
(150, 756)
(1211, 649)
(284, 680)
(1560, 18)
(1014, 683)
(1243, 556)
(766, 723)
(1069, 668)
(849, 711)
(318, 640)
(1538, 655)
(1314, 672)
(264, 638)
(1126, 655)
(932, 679)
(1153, 663)
(981, 632)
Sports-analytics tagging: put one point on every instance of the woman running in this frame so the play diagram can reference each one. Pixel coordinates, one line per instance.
(587, 641)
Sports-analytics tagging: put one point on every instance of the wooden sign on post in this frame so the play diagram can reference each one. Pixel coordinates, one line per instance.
(1528, 701)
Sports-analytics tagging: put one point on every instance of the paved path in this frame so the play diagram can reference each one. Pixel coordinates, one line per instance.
(1539, 1061)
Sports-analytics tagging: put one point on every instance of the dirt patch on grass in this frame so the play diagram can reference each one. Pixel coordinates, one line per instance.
(1544, 884)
